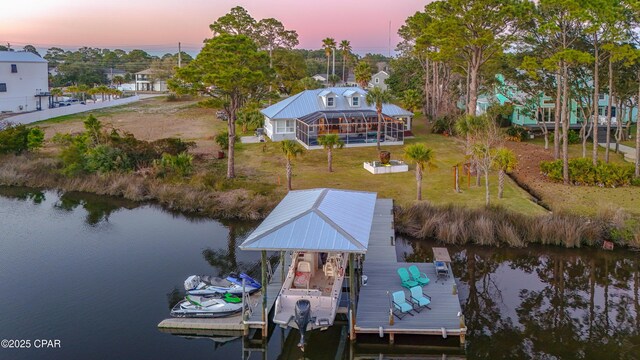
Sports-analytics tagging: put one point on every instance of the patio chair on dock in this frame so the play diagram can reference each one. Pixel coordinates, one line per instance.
(419, 299)
(406, 279)
(400, 305)
(418, 276)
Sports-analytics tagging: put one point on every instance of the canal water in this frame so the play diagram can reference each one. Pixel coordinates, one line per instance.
(98, 274)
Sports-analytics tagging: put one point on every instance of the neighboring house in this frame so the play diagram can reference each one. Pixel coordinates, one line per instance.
(378, 80)
(525, 115)
(145, 82)
(24, 82)
(321, 78)
(334, 110)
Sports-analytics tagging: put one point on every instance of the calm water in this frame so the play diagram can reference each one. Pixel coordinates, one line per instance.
(98, 274)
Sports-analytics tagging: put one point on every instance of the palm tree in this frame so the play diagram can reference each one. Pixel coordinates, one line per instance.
(345, 48)
(362, 73)
(329, 142)
(291, 149)
(505, 161)
(378, 97)
(411, 99)
(328, 45)
(423, 157)
(56, 92)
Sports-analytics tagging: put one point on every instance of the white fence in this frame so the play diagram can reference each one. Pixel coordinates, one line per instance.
(45, 114)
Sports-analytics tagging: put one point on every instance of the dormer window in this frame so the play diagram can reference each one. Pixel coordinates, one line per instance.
(330, 101)
(355, 101)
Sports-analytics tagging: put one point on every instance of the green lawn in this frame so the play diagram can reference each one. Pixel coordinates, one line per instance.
(262, 168)
(310, 171)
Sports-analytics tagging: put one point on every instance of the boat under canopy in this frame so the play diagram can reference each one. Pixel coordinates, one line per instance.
(321, 227)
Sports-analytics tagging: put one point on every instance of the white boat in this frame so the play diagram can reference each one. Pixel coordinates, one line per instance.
(311, 279)
(205, 307)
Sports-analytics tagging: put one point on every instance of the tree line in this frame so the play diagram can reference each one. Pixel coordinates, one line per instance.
(568, 52)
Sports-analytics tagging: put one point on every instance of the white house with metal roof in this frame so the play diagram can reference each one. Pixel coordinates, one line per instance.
(335, 110)
(24, 81)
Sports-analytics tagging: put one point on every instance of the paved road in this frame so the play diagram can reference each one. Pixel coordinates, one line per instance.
(45, 114)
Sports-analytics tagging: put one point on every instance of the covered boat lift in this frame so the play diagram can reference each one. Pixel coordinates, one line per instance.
(316, 220)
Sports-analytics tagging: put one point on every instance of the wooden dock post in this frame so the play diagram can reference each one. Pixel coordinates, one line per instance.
(282, 266)
(264, 293)
(352, 298)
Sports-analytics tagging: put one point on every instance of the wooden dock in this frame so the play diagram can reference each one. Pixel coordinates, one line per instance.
(380, 266)
(233, 323)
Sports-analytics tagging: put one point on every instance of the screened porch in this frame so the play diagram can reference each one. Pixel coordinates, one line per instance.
(353, 127)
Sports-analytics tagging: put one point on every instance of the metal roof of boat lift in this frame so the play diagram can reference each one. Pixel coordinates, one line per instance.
(320, 220)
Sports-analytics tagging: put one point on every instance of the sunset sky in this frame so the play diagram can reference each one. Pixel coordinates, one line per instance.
(158, 25)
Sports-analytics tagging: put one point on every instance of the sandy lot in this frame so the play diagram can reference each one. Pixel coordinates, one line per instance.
(151, 119)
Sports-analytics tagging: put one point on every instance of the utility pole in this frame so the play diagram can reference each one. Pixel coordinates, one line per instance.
(389, 38)
(179, 55)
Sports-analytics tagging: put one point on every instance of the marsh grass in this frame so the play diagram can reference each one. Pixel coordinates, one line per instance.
(185, 197)
(496, 226)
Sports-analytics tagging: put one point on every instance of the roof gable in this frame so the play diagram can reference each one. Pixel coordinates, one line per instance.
(310, 101)
(20, 56)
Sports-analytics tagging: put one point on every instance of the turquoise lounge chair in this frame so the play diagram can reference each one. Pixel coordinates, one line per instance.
(400, 305)
(406, 280)
(418, 276)
(420, 299)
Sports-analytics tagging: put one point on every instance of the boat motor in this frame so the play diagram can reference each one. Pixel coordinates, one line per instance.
(302, 318)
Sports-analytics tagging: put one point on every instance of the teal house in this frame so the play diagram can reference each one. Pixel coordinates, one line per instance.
(524, 115)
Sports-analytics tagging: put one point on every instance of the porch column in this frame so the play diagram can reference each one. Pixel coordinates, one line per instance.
(264, 293)
(352, 298)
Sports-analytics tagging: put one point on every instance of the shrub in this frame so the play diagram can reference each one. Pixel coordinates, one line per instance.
(180, 165)
(222, 139)
(173, 146)
(583, 172)
(17, 139)
(516, 133)
(444, 124)
(104, 159)
(574, 137)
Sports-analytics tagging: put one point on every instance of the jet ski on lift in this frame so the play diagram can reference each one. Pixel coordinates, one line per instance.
(209, 285)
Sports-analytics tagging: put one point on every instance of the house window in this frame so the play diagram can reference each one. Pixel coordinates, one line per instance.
(355, 101)
(14, 68)
(330, 101)
(285, 126)
(3, 87)
(377, 80)
(601, 96)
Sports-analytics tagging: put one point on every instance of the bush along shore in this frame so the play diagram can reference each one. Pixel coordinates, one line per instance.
(115, 163)
(40, 172)
(495, 226)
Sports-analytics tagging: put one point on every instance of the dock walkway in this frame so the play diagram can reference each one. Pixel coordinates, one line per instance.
(380, 266)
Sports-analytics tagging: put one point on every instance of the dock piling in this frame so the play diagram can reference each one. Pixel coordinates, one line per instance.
(264, 293)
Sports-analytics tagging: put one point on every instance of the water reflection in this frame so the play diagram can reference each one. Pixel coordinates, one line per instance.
(98, 208)
(25, 194)
(546, 302)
